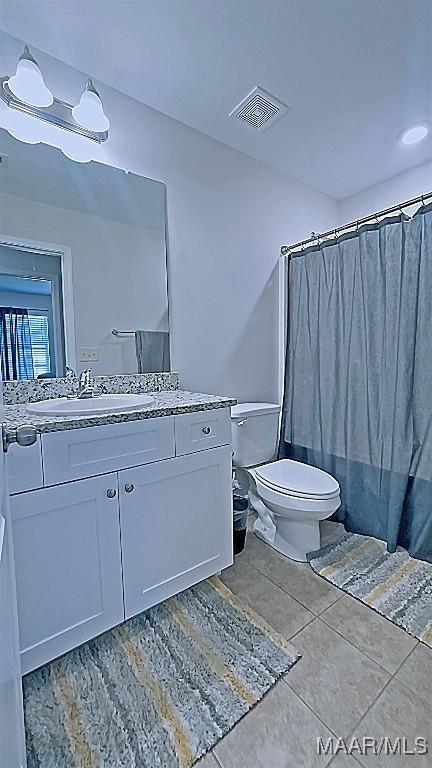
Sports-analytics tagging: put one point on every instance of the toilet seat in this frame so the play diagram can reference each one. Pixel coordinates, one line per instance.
(297, 480)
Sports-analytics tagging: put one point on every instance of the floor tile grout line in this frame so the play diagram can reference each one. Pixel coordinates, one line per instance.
(375, 701)
(251, 605)
(321, 616)
(292, 596)
(391, 676)
(308, 706)
(287, 594)
(361, 603)
(308, 623)
(334, 733)
(401, 682)
(338, 632)
(331, 604)
(359, 650)
(216, 757)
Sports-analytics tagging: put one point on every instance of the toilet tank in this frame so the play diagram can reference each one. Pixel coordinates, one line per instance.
(255, 432)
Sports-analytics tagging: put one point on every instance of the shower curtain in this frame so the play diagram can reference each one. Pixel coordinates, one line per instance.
(358, 387)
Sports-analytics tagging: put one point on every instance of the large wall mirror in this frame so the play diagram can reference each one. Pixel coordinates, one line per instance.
(83, 275)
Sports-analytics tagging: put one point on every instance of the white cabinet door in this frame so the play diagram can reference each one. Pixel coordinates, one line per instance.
(12, 748)
(176, 525)
(68, 566)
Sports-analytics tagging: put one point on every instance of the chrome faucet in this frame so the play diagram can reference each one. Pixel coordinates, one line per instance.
(86, 385)
(70, 373)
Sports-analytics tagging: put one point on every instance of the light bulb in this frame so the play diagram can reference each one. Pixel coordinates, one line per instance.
(89, 112)
(28, 84)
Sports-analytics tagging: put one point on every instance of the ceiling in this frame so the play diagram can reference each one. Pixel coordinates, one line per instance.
(355, 73)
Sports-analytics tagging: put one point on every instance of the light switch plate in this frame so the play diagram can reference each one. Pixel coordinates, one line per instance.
(89, 355)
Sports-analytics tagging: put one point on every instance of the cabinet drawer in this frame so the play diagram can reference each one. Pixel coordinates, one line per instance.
(201, 430)
(79, 453)
(24, 467)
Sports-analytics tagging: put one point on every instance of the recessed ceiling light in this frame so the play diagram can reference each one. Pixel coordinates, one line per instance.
(415, 134)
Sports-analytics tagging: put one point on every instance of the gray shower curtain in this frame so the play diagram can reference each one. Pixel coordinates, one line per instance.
(358, 388)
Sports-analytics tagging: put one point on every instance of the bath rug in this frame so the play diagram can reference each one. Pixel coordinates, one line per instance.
(394, 584)
(158, 691)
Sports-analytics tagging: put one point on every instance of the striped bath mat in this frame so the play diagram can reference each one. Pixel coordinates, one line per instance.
(392, 583)
(158, 691)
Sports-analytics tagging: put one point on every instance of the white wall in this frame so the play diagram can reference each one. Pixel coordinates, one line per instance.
(118, 270)
(227, 217)
(417, 181)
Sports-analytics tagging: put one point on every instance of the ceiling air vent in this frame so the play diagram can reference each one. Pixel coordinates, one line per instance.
(260, 109)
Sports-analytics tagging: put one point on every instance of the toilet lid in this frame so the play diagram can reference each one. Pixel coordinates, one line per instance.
(298, 479)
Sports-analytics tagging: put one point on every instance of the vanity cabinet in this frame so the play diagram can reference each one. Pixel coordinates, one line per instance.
(174, 532)
(68, 566)
(129, 515)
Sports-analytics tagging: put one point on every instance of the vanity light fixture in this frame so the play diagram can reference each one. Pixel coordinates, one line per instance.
(30, 112)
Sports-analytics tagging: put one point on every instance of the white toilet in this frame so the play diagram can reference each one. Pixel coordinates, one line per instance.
(290, 497)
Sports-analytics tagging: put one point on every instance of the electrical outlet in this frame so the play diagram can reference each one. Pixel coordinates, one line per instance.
(88, 355)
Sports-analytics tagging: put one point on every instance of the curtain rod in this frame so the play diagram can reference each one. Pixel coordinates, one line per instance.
(315, 237)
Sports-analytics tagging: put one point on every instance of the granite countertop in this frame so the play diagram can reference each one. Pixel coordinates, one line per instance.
(166, 403)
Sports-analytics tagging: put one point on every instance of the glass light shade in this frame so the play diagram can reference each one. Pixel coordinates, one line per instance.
(28, 84)
(21, 126)
(89, 112)
(77, 148)
(29, 130)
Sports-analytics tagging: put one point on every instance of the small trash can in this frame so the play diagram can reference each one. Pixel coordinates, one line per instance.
(240, 507)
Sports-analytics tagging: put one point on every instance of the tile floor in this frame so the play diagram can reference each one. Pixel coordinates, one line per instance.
(359, 676)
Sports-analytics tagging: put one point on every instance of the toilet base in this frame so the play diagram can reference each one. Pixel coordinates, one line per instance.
(291, 538)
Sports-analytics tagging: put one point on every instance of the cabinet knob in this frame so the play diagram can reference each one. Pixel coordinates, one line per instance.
(111, 493)
(129, 487)
(206, 430)
(24, 435)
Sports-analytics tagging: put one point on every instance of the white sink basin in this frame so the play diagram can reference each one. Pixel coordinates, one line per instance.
(61, 406)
